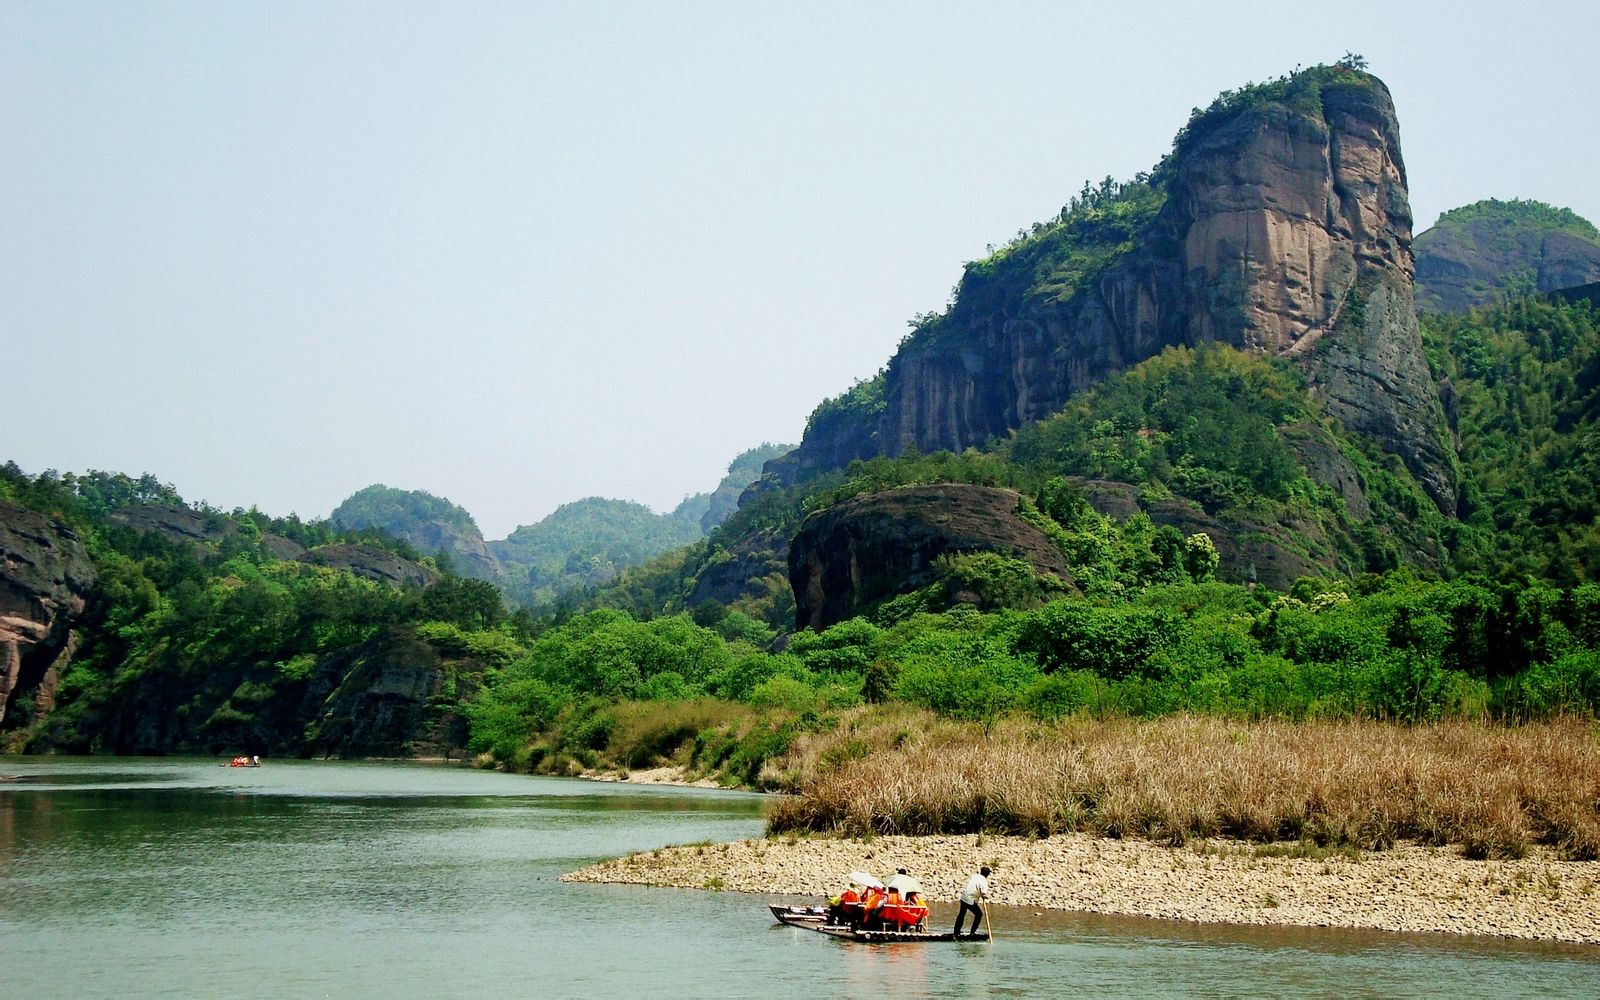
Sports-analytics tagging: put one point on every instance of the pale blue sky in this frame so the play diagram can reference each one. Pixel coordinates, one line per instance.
(516, 254)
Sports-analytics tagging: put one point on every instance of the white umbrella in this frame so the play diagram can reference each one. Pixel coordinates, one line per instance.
(862, 878)
(905, 883)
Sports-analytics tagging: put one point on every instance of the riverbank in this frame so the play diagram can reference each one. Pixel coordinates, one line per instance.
(666, 775)
(1406, 888)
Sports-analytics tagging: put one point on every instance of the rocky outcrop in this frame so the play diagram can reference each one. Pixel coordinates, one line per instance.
(1285, 230)
(46, 579)
(877, 545)
(742, 571)
(383, 698)
(386, 701)
(1478, 254)
(200, 532)
(429, 523)
(197, 531)
(1583, 293)
(371, 564)
(1249, 550)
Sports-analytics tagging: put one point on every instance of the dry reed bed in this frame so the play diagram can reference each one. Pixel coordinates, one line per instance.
(1493, 790)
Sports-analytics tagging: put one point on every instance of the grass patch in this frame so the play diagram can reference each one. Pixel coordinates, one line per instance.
(1312, 789)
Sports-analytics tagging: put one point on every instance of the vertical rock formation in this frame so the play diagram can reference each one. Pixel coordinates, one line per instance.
(1279, 224)
(45, 580)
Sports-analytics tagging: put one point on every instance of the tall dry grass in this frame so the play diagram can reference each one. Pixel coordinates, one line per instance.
(1494, 790)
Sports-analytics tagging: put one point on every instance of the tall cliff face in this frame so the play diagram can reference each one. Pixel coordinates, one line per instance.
(46, 578)
(1280, 224)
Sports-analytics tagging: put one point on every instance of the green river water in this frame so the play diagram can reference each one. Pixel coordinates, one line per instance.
(132, 878)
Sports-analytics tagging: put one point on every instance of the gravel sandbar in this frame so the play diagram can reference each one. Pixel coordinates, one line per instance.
(1407, 888)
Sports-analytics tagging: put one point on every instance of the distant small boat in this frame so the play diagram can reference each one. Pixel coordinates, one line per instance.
(815, 918)
(243, 761)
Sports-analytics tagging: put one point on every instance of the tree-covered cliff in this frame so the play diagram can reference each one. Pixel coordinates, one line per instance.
(173, 628)
(431, 524)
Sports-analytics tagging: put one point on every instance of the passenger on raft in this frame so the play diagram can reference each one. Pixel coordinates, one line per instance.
(871, 904)
(845, 908)
(902, 914)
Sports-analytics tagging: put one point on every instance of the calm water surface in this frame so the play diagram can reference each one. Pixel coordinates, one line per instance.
(125, 878)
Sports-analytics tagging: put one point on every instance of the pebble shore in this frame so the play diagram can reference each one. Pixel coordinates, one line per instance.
(1407, 888)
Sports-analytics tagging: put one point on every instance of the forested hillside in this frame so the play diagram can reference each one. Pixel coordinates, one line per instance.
(1414, 616)
(432, 525)
(205, 637)
(582, 544)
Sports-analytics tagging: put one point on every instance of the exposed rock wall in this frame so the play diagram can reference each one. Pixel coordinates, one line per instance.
(46, 578)
(881, 544)
(383, 698)
(371, 564)
(385, 701)
(1286, 230)
(202, 533)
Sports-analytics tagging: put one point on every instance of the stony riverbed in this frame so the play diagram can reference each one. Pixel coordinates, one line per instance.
(1408, 888)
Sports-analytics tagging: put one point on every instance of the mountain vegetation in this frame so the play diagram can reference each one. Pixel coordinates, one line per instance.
(218, 643)
(429, 523)
(584, 544)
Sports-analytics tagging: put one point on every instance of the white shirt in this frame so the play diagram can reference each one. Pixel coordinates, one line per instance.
(977, 888)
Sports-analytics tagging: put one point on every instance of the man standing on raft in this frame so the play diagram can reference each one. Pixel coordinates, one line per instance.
(977, 889)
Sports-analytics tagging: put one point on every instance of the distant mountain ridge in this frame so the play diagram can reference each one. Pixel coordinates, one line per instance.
(581, 544)
(1491, 250)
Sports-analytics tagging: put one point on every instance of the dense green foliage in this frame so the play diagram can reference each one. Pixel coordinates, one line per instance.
(585, 543)
(1395, 647)
(1478, 634)
(215, 646)
(1527, 381)
(1537, 215)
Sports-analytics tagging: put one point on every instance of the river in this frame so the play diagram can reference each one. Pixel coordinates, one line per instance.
(128, 878)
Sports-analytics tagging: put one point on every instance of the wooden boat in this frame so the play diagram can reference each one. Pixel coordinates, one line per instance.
(815, 918)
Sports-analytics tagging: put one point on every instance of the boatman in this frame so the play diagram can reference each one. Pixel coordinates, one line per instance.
(972, 897)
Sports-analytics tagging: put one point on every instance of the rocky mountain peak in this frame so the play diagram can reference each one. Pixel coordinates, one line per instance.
(1279, 223)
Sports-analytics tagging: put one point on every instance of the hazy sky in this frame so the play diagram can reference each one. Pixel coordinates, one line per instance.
(517, 254)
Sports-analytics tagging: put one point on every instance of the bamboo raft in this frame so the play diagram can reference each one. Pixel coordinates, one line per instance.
(815, 918)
